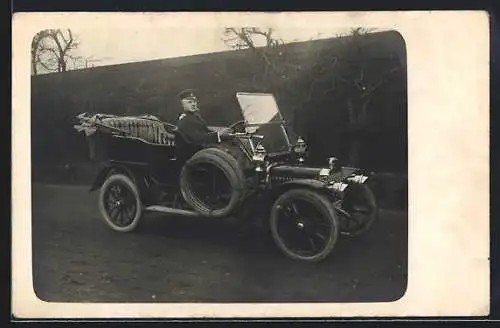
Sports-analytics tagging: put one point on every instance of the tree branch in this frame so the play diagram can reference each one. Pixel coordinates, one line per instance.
(56, 40)
(46, 67)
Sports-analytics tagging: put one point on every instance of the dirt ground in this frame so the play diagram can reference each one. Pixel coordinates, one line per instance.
(77, 258)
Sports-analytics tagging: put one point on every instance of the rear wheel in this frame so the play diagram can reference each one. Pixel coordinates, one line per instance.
(304, 225)
(120, 204)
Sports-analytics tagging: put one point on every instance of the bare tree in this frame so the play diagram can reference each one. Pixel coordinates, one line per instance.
(268, 49)
(53, 50)
(360, 84)
(351, 77)
(247, 37)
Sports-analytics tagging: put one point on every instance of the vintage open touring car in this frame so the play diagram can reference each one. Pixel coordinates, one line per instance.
(253, 172)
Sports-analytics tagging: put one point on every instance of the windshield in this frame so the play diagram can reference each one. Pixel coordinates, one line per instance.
(263, 117)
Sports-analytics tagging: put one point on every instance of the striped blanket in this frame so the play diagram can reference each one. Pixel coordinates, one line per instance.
(146, 127)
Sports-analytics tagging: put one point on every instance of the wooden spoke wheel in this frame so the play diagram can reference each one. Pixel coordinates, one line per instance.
(304, 225)
(120, 204)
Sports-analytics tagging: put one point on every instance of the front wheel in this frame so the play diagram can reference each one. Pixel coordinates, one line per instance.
(304, 225)
(120, 204)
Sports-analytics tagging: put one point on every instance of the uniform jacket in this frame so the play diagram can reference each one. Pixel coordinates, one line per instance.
(195, 129)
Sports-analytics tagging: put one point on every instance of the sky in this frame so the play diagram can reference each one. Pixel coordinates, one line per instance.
(122, 45)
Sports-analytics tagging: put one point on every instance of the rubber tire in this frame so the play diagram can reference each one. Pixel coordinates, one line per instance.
(231, 158)
(324, 205)
(371, 199)
(132, 187)
(231, 169)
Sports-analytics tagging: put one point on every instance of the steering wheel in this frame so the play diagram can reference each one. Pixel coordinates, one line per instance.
(237, 127)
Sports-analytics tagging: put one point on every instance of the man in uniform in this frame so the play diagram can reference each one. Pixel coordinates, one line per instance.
(191, 124)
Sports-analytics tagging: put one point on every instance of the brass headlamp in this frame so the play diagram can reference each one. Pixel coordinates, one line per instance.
(259, 157)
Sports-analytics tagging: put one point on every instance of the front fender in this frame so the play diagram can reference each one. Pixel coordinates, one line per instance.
(104, 172)
(99, 179)
(299, 183)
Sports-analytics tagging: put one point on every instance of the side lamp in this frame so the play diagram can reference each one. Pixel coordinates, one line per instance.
(300, 149)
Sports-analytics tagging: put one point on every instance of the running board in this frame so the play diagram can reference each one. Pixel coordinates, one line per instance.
(169, 210)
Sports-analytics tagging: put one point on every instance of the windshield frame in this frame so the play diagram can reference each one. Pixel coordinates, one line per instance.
(281, 121)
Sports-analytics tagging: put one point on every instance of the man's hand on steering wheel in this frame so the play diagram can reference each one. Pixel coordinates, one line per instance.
(237, 127)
